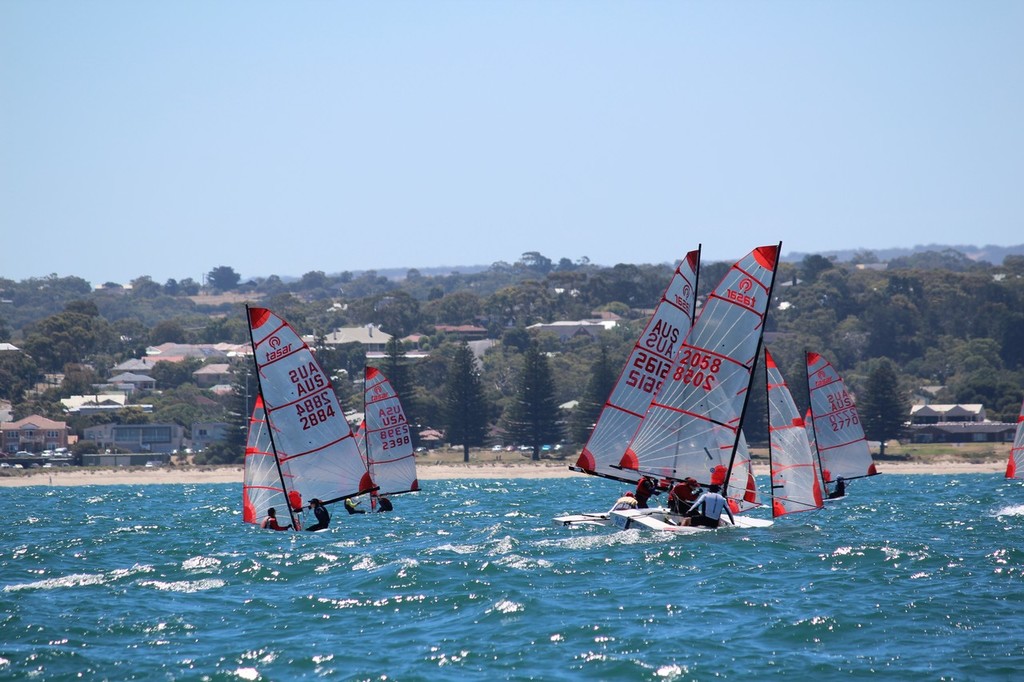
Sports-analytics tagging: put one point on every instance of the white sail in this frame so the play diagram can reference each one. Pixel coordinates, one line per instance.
(796, 485)
(387, 440)
(646, 369)
(692, 428)
(262, 482)
(310, 435)
(1015, 465)
(838, 433)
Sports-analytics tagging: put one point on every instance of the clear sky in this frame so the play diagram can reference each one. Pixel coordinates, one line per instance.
(166, 138)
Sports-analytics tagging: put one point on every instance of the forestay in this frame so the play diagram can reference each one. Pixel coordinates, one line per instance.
(387, 440)
(643, 375)
(692, 427)
(794, 472)
(311, 437)
(838, 433)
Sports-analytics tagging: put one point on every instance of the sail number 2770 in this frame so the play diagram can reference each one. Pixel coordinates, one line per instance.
(698, 369)
(315, 410)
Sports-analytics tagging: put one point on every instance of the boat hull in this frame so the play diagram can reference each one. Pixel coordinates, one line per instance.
(655, 518)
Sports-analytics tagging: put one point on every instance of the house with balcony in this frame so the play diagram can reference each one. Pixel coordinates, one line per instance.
(964, 423)
(137, 437)
(33, 434)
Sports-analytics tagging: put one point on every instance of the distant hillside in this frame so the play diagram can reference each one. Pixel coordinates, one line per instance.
(989, 254)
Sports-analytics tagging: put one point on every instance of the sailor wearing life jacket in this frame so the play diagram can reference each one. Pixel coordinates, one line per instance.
(711, 505)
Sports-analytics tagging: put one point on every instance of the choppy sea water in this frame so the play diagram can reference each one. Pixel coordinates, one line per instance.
(910, 577)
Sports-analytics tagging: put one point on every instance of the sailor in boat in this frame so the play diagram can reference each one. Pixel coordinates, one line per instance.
(645, 487)
(271, 521)
(627, 501)
(710, 505)
(840, 490)
(384, 505)
(323, 517)
(683, 495)
(352, 506)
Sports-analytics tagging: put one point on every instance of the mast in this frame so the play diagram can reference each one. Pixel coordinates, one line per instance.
(270, 429)
(753, 366)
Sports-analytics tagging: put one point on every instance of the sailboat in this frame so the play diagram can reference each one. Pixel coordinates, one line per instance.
(1015, 465)
(314, 447)
(692, 428)
(838, 435)
(387, 443)
(796, 481)
(642, 376)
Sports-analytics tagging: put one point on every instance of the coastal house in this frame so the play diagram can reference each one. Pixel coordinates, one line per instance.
(570, 329)
(137, 437)
(33, 434)
(212, 374)
(204, 434)
(129, 382)
(963, 423)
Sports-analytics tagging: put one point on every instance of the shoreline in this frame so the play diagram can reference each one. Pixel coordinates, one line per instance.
(79, 476)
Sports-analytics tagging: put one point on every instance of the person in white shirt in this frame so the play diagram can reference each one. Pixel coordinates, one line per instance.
(710, 504)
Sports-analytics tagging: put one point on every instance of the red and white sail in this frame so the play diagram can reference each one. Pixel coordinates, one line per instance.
(311, 437)
(692, 428)
(838, 433)
(646, 369)
(796, 484)
(1015, 465)
(262, 482)
(387, 440)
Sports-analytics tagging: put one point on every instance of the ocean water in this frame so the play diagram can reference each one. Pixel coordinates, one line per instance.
(910, 578)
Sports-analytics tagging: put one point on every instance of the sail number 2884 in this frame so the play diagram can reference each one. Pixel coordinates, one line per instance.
(314, 410)
(698, 369)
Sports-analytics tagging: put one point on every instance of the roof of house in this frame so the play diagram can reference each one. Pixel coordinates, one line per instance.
(935, 410)
(34, 421)
(130, 378)
(213, 368)
(78, 401)
(366, 335)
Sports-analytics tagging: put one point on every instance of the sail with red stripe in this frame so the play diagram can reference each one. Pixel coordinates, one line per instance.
(1015, 465)
(692, 428)
(796, 484)
(646, 369)
(262, 480)
(838, 434)
(387, 439)
(311, 438)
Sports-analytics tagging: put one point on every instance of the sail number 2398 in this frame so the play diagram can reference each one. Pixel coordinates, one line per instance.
(314, 410)
(698, 369)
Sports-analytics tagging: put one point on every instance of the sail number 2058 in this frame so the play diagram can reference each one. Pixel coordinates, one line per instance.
(698, 369)
(314, 410)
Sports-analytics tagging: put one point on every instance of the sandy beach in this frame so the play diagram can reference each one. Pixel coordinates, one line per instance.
(70, 476)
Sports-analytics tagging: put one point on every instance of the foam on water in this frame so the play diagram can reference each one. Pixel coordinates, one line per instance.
(919, 578)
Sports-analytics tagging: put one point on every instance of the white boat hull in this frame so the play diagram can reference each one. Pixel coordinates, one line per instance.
(656, 518)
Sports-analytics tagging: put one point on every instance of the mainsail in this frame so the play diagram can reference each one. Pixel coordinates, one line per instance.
(646, 369)
(1015, 465)
(796, 484)
(838, 434)
(387, 441)
(692, 428)
(310, 437)
(262, 480)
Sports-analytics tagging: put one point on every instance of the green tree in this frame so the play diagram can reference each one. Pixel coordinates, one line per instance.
(599, 387)
(223, 278)
(532, 417)
(883, 407)
(465, 411)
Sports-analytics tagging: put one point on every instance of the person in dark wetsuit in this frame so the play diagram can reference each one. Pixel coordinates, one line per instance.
(645, 487)
(323, 517)
(271, 521)
(384, 504)
(840, 490)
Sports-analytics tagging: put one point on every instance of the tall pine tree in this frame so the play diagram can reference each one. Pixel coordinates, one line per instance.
(599, 387)
(465, 412)
(883, 407)
(532, 416)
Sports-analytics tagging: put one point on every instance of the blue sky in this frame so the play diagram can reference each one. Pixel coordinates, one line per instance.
(167, 138)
